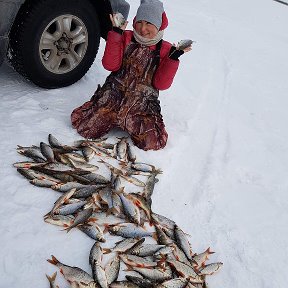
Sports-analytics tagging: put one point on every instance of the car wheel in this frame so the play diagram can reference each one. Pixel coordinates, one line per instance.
(53, 43)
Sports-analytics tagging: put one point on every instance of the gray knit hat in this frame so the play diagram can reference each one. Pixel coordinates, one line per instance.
(120, 6)
(150, 11)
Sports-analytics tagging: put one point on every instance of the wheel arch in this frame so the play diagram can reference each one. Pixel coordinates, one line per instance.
(103, 9)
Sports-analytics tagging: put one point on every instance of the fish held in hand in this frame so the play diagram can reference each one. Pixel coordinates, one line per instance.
(119, 19)
(184, 44)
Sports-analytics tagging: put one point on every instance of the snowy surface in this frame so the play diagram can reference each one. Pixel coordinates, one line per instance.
(225, 166)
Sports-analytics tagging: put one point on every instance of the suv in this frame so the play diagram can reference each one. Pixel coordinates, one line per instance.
(53, 43)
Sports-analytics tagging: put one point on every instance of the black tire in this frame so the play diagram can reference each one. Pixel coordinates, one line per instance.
(28, 29)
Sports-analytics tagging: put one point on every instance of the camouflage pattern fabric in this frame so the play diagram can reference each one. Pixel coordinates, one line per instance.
(127, 100)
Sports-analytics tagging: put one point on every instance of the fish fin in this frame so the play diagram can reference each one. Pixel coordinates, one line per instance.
(53, 261)
(122, 164)
(161, 262)
(119, 191)
(129, 268)
(67, 229)
(151, 222)
(156, 171)
(209, 251)
(106, 250)
(47, 215)
(106, 228)
(92, 219)
(154, 236)
(187, 234)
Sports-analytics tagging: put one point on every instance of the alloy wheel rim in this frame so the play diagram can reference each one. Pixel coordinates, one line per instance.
(63, 44)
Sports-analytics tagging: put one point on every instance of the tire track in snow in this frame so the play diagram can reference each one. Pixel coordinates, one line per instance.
(217, 148)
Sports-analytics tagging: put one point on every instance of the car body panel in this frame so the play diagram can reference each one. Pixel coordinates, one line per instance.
(8, 12)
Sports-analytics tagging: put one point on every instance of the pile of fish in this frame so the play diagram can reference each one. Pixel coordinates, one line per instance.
(154, 250)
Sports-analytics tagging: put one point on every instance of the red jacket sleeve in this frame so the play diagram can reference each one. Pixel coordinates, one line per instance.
(113, 54)
(166, 71)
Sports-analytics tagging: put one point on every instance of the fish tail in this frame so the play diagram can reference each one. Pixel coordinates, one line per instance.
(106, 227)
(52, 278)
(53, 261)
(122, 164)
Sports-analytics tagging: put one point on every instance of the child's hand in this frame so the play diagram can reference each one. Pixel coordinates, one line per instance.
(112, 20)
(177, 50)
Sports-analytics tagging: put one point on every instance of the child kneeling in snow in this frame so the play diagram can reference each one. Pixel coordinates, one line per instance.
(141, 64)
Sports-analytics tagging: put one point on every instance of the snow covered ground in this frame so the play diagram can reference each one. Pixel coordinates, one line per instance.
(225, 166)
